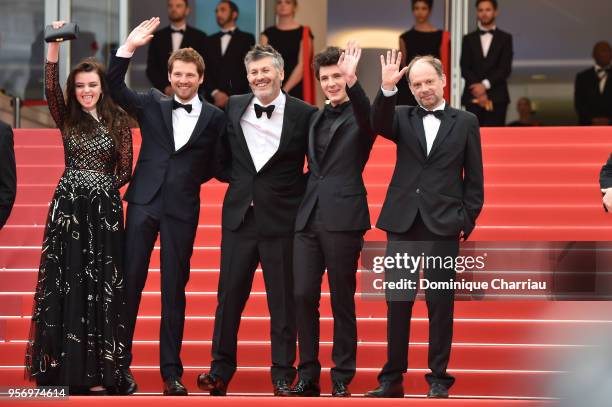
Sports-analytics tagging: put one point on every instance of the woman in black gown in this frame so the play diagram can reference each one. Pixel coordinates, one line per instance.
(76, 338)
(286, 37)
(422, 39)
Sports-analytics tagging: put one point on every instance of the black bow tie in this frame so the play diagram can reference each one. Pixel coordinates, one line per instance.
(228, 32)
(437, 113)
(606, 69)
(173, 31)
(260, 109)
(177, 105)
(483, 32)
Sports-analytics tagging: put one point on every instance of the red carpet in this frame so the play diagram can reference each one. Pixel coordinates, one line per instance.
(540, 184)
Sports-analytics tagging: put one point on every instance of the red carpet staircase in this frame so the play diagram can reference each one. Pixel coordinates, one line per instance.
(540, 184)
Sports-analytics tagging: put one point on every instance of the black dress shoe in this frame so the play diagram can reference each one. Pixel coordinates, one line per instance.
(388, 390)
(174, 387)
(305, 388)
(212, 384)
(282, 389)
(437, 391)
(127, 384)
(340, 389)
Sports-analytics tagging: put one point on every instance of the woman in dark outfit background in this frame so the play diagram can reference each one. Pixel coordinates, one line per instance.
(422, 39)
(293, 41)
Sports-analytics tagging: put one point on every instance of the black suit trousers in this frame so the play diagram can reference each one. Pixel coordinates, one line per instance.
(316, 249)
(440, 307)
(494, 118)
(143, 224)
(241, 251)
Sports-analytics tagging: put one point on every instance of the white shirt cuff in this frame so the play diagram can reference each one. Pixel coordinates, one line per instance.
(389, 93)
(123, 53)
(486, 84)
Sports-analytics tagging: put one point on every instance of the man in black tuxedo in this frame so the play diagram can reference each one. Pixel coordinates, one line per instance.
(593, 89)
(265, 146)
(179, 137)
(486, 64)
(8, 173)
(332, 219)
(605, 182)
(225, 52)
(435, 196)
(169, 39)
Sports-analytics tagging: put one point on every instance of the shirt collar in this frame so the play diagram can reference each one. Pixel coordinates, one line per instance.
(278, 101)
(175, 27)
(229, 30)
(486, 29)
(441, 106)
(195, 102)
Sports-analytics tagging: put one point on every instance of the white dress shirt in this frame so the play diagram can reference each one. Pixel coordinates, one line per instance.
(485, 39)
(177, 38)
(603, 77)
(225, 39)
(183, 123)
(485, 43)
(263, 135)
(431, 124)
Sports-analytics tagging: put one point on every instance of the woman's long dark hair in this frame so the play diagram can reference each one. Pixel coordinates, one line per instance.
(78, 121)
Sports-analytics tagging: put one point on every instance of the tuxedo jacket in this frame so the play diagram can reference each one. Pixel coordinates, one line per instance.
(588, 100)
(335, 180)
(446, 186)
(8, 173)
(227, 72)
(496, 67)
(179, 174)
(276, 190)
(160, 49)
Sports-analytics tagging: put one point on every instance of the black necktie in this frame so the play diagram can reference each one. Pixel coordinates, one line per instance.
(260, 109)
(483, 32)
(174, 31)
(177, 105)
(437, 113)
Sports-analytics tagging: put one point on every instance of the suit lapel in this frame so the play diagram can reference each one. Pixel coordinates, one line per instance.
(494, 45)
(166, 108)
(203, 120)
(348, 112)
(447, 123)
(478, 46)
(186, 38)
(241, 109)
(419, 130)
(287, 132)
(311, 138)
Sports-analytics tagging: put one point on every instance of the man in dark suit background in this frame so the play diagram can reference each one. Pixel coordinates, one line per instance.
(486, 64)
(265, 145)
(8, 173)
(167, 40)
(593, 89)
(224, 55)
(435, 196)
(332, 219)
(179, 138)
(605, 182)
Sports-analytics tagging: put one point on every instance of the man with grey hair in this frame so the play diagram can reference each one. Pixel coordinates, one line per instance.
(435, 196)
(263, 154)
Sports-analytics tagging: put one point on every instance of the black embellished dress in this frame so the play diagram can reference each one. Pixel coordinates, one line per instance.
(76, 336)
